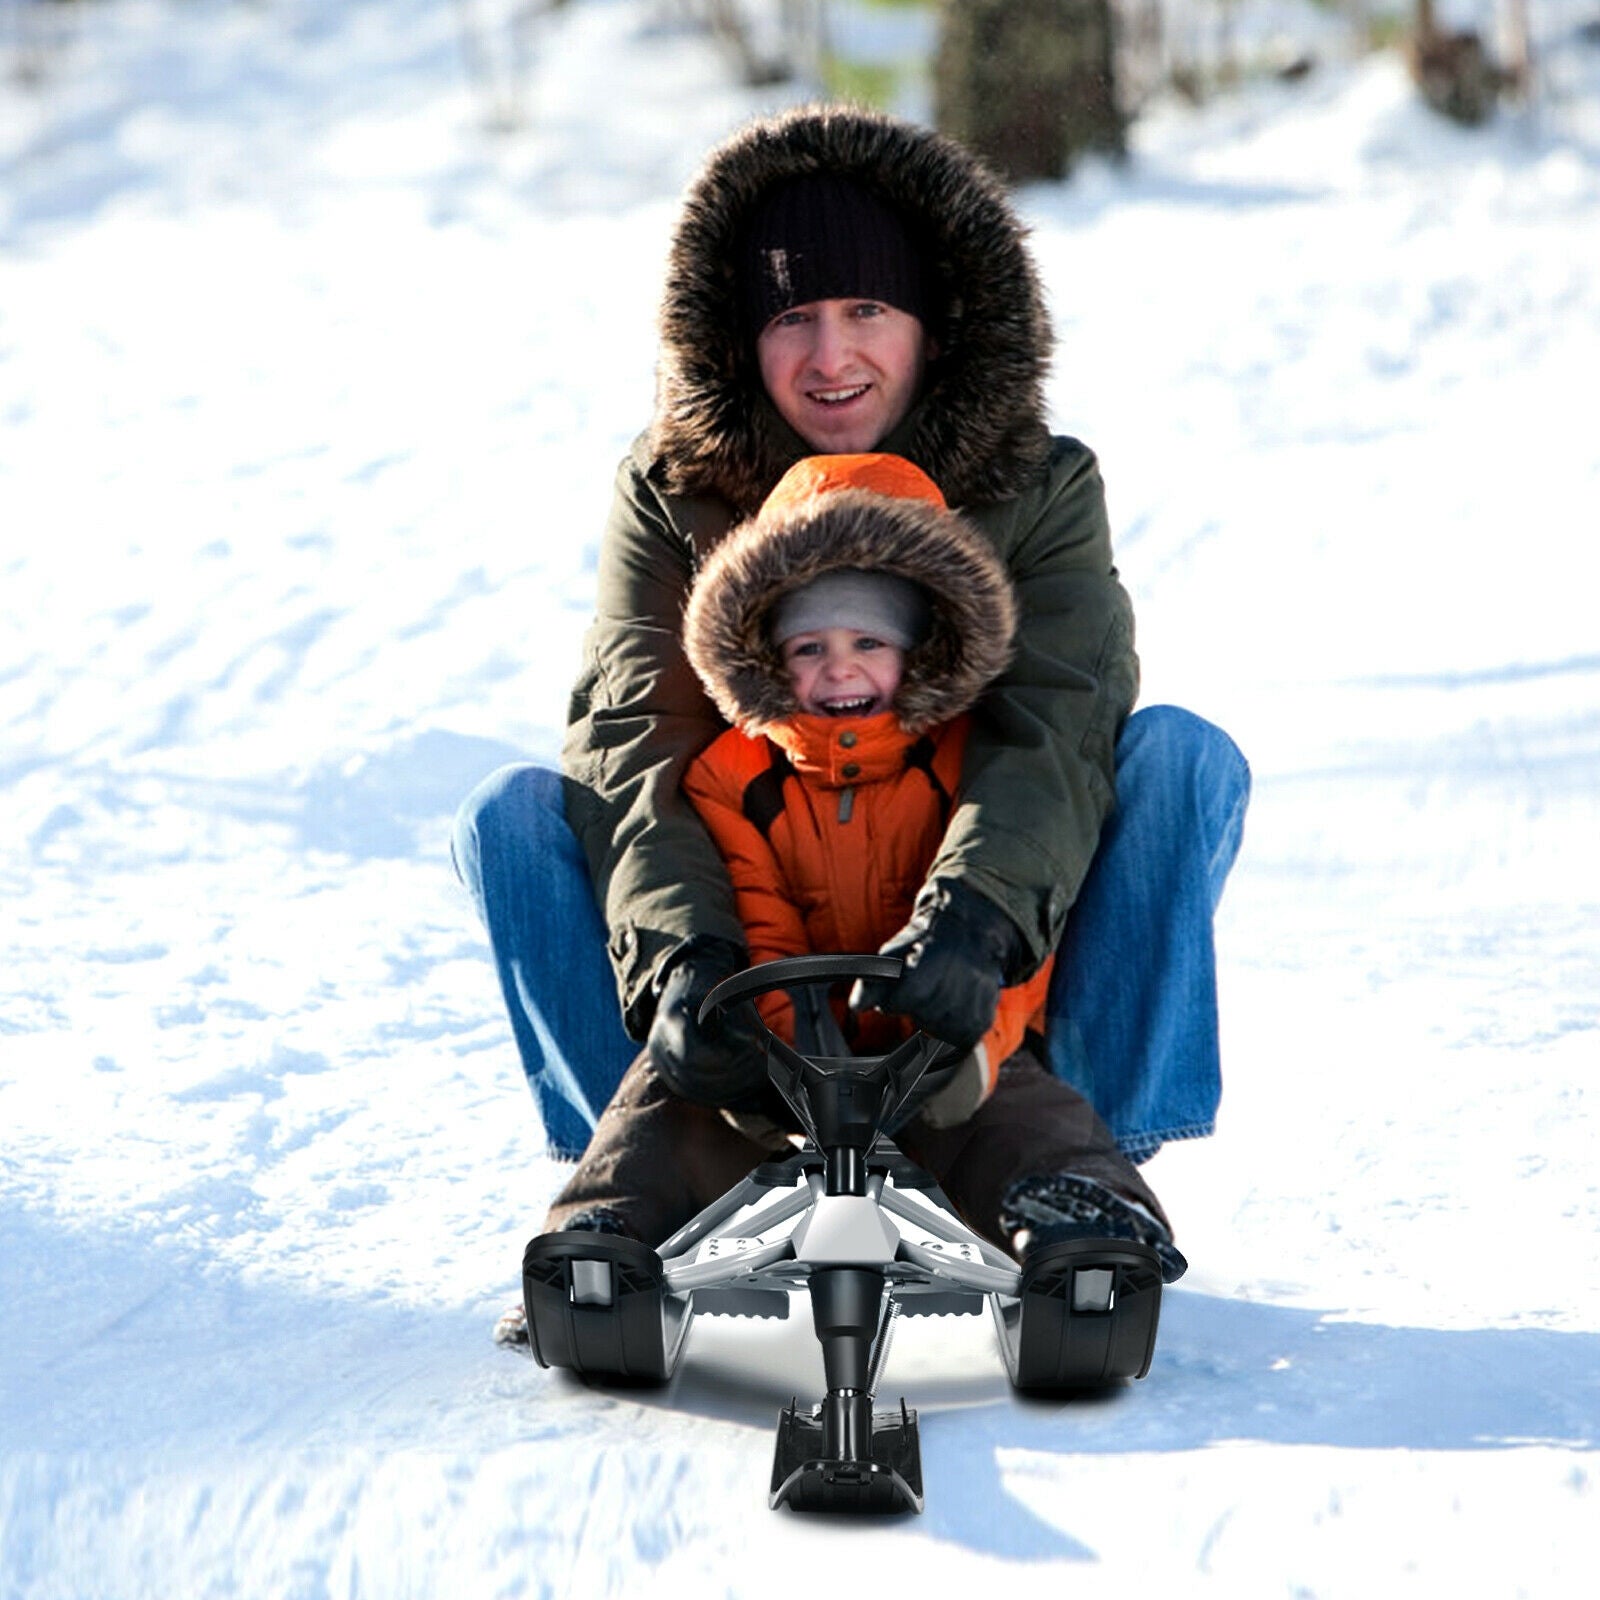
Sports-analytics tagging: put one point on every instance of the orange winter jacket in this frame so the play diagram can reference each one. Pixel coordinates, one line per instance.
(828, 826)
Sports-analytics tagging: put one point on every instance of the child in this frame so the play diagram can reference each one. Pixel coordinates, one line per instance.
(845, 632)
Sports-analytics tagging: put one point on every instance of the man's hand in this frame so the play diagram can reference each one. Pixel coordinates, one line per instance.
(957, 949)
(716, 1063)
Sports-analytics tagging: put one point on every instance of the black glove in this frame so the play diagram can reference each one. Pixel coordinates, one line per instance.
(957, 948)
(719, 1062)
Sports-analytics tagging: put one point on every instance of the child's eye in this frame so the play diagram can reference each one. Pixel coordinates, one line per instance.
(867, 308)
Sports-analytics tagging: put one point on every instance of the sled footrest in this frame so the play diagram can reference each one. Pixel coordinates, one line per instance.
(598, 1305)
(1086, 1316)
(807, 1477)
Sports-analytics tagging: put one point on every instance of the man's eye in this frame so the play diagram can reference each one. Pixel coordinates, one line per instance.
(868, 308)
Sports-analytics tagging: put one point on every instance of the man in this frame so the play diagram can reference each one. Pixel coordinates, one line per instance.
(840, 281)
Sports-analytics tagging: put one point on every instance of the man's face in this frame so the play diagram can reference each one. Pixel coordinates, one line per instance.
(842, 373)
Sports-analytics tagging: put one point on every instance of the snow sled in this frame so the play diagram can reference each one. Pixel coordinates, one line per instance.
(868, 1236)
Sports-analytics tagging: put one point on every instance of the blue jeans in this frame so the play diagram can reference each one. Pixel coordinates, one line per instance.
(1132, 1005)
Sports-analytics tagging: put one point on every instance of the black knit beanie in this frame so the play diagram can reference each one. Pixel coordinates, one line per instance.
(824, 237)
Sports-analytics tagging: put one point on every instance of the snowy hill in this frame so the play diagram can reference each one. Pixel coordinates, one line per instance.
(312, 390)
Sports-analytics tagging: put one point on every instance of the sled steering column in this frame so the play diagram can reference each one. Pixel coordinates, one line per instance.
(842, 1455)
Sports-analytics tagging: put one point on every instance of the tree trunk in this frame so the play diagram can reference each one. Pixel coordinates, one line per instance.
(1028, 84)
(1453, 70)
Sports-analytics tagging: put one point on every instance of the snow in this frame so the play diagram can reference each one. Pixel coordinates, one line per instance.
(312, 388)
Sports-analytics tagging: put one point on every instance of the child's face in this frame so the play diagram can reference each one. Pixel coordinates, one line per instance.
(843, 672)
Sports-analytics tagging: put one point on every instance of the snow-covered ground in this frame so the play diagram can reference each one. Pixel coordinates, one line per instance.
(310, 393)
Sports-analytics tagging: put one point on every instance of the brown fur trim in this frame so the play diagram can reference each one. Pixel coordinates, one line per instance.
(974, 607)
(979, 428)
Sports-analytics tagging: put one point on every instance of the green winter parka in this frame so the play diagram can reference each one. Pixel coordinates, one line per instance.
(1038, 774)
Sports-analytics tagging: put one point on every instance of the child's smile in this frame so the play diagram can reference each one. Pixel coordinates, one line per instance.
(843, 672)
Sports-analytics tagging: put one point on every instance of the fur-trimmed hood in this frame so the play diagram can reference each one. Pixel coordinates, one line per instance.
(974, 609)
(979, 428)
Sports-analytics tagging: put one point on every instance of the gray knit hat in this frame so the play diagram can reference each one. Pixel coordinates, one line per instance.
(895, 609)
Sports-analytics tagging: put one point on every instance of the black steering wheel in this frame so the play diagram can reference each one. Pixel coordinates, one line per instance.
(843, 1103)
(769, 975)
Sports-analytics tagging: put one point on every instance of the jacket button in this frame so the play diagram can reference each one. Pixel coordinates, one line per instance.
(847, 739)
(850, 769)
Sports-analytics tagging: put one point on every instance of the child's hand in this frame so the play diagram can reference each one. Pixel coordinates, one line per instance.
(957, 948)
(719, 1062)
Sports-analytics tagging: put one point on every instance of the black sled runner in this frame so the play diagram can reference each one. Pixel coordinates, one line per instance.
(868, 1236)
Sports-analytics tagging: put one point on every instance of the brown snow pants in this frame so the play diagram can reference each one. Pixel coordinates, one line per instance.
(656, 1160)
